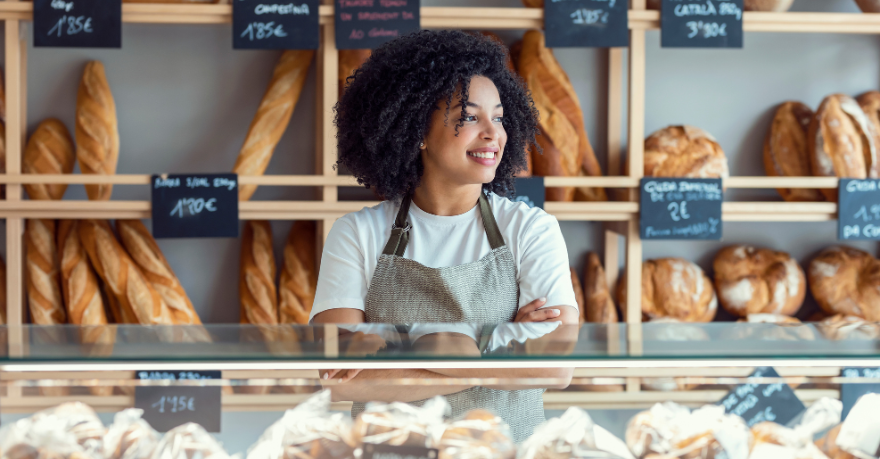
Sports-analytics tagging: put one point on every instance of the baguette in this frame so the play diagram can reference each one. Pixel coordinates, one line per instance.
(97, 133)
(599, 307)
(566, 148)
(149, 258)
(43, 288)
(138, 300)
(272, 116)
(578, 294)
(349, 61)
(256, 285)
(49, 151)
(299, 278)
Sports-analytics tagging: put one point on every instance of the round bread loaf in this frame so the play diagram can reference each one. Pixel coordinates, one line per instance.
(673, 288)
(786, 152)
(842, 327)
(752, 280)
(869, 6)
(842, 142)
(845, 280)
(684, 151)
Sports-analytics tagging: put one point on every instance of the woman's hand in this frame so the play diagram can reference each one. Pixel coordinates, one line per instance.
(531, 313)
(341, 376)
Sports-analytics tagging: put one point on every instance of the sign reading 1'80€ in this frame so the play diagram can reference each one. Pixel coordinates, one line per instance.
(680, 208)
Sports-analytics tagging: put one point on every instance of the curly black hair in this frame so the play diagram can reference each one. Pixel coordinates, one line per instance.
(384, 112)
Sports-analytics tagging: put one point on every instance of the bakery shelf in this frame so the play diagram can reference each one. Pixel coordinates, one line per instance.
(853, 23)
(778, 211)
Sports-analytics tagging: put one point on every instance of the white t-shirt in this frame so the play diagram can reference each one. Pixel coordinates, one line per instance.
(357, 239)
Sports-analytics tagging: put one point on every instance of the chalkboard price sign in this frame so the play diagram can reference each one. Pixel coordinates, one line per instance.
(586, 23)
(366, 24)
(763, 402)
(201, 205)
(680, 208)
(78, 23)
(530, 190)
(858, 209)
(166, 407)
(851, 392)
(701, 24)
(258, 24)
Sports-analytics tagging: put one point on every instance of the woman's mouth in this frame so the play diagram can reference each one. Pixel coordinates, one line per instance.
(485, 158)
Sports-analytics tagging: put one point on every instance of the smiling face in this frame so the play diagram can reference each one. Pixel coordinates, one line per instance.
(472, 156)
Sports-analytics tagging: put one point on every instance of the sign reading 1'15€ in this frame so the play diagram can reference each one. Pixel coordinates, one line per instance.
(194, 205)
(261, 24)
(366, 24)
(680, 208)
(78, 23)
(701, 24)
(586, 23)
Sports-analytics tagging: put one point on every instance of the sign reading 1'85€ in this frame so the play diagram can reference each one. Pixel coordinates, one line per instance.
(78, 23)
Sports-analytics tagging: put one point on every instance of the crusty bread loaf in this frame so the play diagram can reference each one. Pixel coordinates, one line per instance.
(49, 151)
(79, 285)
(137, 299)
(786, 151)
(149, 258)
(97, 133)
(842, 142)
(566, 148)
(752, 280)
(673, 288)
(272, 116)
(684, 151)
(299, 278)
(349, 61)
(599, 305)
(846, 281)
(578, 294)
(256, 285)
(43, 288)
(870, 104)
(868, 6)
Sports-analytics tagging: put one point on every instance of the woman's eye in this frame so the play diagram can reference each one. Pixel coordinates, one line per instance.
(469, 118)
(499, 119)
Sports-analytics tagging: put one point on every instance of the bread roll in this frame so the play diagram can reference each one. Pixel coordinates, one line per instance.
(349, 61)
(599, 306)
(673, 288)
(868, 6)
(842, 142)
(786, 152)
(578, 294)
(44, 291)
(256, 285)
(149, 258)
(272, 116)
(684, 151)
(845, 280)
(752, 280)
(137, 299)
(566, 148)
(49, 151)
(97, 133)
(299, 278)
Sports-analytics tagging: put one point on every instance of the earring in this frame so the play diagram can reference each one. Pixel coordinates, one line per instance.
(421, 144)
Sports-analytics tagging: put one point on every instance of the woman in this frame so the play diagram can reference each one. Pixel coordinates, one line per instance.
(437, 124)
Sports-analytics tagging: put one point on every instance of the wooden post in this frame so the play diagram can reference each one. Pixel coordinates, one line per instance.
(636, 170)
(328, 94)
(15, 128)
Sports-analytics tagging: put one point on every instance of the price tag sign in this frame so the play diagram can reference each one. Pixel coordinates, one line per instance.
(701, 24)
(763, 402)
(530, 190)
(587, 23)
(680, 208)
(858, 209)
(78, 23)
(366, 24)
(372, 451)
(257, 24)
(851, 392)
(197, 205)
(166, 407)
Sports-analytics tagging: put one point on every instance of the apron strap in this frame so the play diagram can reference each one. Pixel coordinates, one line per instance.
(399, 238)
